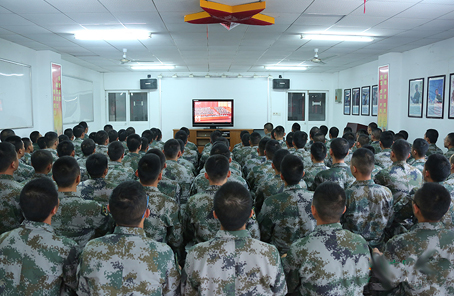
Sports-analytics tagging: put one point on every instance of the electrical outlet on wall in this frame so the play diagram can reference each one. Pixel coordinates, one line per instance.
(276, 113)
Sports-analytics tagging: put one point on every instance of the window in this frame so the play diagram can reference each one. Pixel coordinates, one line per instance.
(128, 106)
(296, 106)
(117, 106)
(316, 108)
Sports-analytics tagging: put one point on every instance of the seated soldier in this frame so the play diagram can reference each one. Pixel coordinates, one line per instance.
(318, 154)
(41, 142)
(235, 167)
(289, 142)
(256, 161)
(188, 154)
(9, 189)
(375, 139)
(431, 136)
(132, 158)
(157, 143)
(267, 129)
(113, 136)
(34, 136)
(263, 172)
(449, 144)
(339, 171)
(240, 145)
(144, 147)
(206, 150)
(246, 148)
(51, 141)
(254, 141)
(369, 205)
(450, 179)
(296, 127)
(377, 168)
(362, 141)
(279, 133)
(351, 138)
(87, 148)
(190, 145)
(79, 134)
(122, 135)
(28, 147)
(102, 139)
(383, 158)
(34, 259)
(6, 133)
(418, 151)
(286, 217)
(370, 127)
(199, 223)
(427, 244)
(42, 163)
(330, 260)
(324, 131)
(299, 142)
(117, 172)
(333, 133)
(85, 126)
(163, 225)
(314, 130)
(319, 138)
(127, 262)
(66, 148)
(184, 162)
(76, 218)
(24, 172)
(69, 133)
(232, 262)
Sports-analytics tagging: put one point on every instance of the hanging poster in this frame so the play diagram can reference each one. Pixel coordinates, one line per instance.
(435, 96)
(365, 100)
(374, 100)
(56, 98)
(347, 101)
(451, 97)
(355, 101)
(383, 78)
(415, 97)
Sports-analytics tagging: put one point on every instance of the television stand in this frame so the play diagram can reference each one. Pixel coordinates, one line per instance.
(211, 127)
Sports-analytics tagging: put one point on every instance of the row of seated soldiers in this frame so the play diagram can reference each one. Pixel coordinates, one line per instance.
(282, 196)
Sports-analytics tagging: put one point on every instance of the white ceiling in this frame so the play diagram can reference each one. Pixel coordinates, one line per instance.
(398, 25)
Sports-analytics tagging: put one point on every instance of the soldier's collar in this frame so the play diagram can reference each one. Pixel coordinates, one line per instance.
(239, 233)
(6, 177)
(428, 225)
(129, 230)
(292, 187)
(331, 226)
(34, 224)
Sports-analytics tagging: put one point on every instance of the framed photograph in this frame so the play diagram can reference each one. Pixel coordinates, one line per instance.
(435, 96)
(415, 97)
(355, 101)
(365, 100)
(374, 100)
(347, 101)
(451, 97)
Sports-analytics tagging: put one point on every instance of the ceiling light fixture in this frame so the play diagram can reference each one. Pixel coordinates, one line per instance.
(153, 67)
(112, 35)
(191, 75)
(286, 68)
(337, 37)
(240, 76)
(174, 75)
(207, 76)
(224, 76)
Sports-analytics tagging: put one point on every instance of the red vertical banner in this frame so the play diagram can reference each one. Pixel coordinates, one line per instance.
(56, 98)
(383, 79)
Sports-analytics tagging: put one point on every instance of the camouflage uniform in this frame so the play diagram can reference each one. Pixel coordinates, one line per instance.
(118, 173)
(253, 154)
(183, 176)
(260, 173)
(305, 156)
(339, 173)
(78, 219)
(192, 146)
(37, 176)
(125, 146)
(403, 252)
(449, 153)
(283, 144)
(311, 172)
(251, 163)
(27, 159)
(35, 147)
(53, 152)
(243, 153)
(376, 145)
(419, 164)
(82, 160)
(433, 149)
(127, 263)
(102, 149)
(163, 225)
(24, 172)
(131, 161)
(233, 263)
(235, 168)
(286, 217)
(200, 183)
(329, 261)
(191, 156)
(156, 144)
(170, 188)
(35, 261)
(10, 211)
(383, 158)
(199, 222)
(97, 189)
(187, 164)
(77, 146)
(369, 209)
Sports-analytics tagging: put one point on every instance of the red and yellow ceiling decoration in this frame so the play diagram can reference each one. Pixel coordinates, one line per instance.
(230, 16)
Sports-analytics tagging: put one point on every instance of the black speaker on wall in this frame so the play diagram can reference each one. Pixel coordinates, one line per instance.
(148, 83)
(281, 83)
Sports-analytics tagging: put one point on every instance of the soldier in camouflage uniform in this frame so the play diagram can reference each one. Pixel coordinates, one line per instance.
(418, 152)
(42, 163)
(9, 189)
(187, 163)
(254, 141)
(375, 139)
(51, 140)
(259, 159)
(117, 172)
(187, 154)
(369, 205)
(286, 217)
(79, 134)
(34, 259)
(34, 136)
(88, 147)
(265, 171)
(28, 151)
(132, 158)
(146, 268)
(318, 154)
(102, 141)
(66, 148)
(24, 172)
(232, 262)
(383, 158)
(246, 149)
(449, 144)
(339, 171)
(299, 142)
(431, 136)
(207, 148)
(330, 260)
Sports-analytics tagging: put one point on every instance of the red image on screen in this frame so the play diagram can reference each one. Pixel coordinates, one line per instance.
(213, 111)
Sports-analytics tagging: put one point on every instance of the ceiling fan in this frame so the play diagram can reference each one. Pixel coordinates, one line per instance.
(316, 59)
(125, 60)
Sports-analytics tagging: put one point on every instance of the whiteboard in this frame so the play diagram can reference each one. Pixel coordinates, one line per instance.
(77, 99)
(15, 95)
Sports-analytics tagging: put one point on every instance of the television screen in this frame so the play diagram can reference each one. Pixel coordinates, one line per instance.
(212, 113)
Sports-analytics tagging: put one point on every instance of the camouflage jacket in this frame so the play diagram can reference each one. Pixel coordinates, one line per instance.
(283, 144)
(127, 263)
(102, 149)
(182, 175)
(77, 142)
(311, 172)
(97, 189)
(329, 261)
(156, 144)
(53, 152)
(24, 172)
(82, 160)
(191, 155)
(234, 167)
(37, 176)
(383, 158)
(27, 159)
(339, 173)
(192, 146)
(252, 163)
(253, 154)
(369, 209)
(233, 263)
(286, 217)
(419, 164)
(187, 164)
(403, 252)
(79, 219)
(376, 145)
(118, 173)
(260, 173)
(10, 211)
(131, 160)
(449, 153)
(200, 183)
(35, 261)
(433, 149)
(242, 154)
(305, 156)
(199, 222)
(170, 188)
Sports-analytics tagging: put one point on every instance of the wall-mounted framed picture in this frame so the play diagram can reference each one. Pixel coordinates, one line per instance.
(415, 97)
(355, 101)
(451, 97)
(435, 96)
(374, 100)
(347, 101)
(365, 100)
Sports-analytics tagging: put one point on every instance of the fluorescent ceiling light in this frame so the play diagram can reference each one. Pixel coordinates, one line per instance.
(285, 68)
(154, 67)
(112, 34)
(337, 37)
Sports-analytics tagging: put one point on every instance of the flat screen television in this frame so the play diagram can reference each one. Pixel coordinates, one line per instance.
(212, 113)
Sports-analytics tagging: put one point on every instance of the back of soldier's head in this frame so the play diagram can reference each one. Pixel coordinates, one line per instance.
(149, 168)
(324, 130)
(363, 140)
(262, 145)
(37, 199)
(133, 142)
(432, 135)
(398, 136)
(329, 201)
(271, 147)
(8, 155)
(278, 157)
(438, 167)
(128, 203)
(161, 156)
(27, 143)
(65, 171)
(122, 134)
(279, 131)
(145, 144)
(50, 139)
(245, 139)
(16, 141)
(87, 147)
(232, 205)
(171, 148)
(372, 125)
(363, 159)
(404, 134)
(256, 137)
(361, 132)
(34, 135)
(220, 149)
(182, 135)
(101, 137)
(62, 138)
(318, 151)
(65, 148)
(96, 165)
(148, 134)
(450, 139)
(108, 127)
(158, 134)
(214, 136)
(299, 139)
(292, 169)
(93, 136)
(181, 145)
(420, 146)
(289, 139)
(314, 130)
(217, 167)
(351, 138)
(376, 133)
(370, 148)
(78, 131)
(243, 132)
(387, 139)
(41, 159)
(69, 133)
(113, 135)
(433, 200)
(186, 130)
(340, 147)
(41, 142)
(6, 133)
(222, 140)
(318, 138)
(83, 124)
(268, 127)
(131, 130)
(334, 132)
(401, 149)
(296, 127)
(347, 129)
